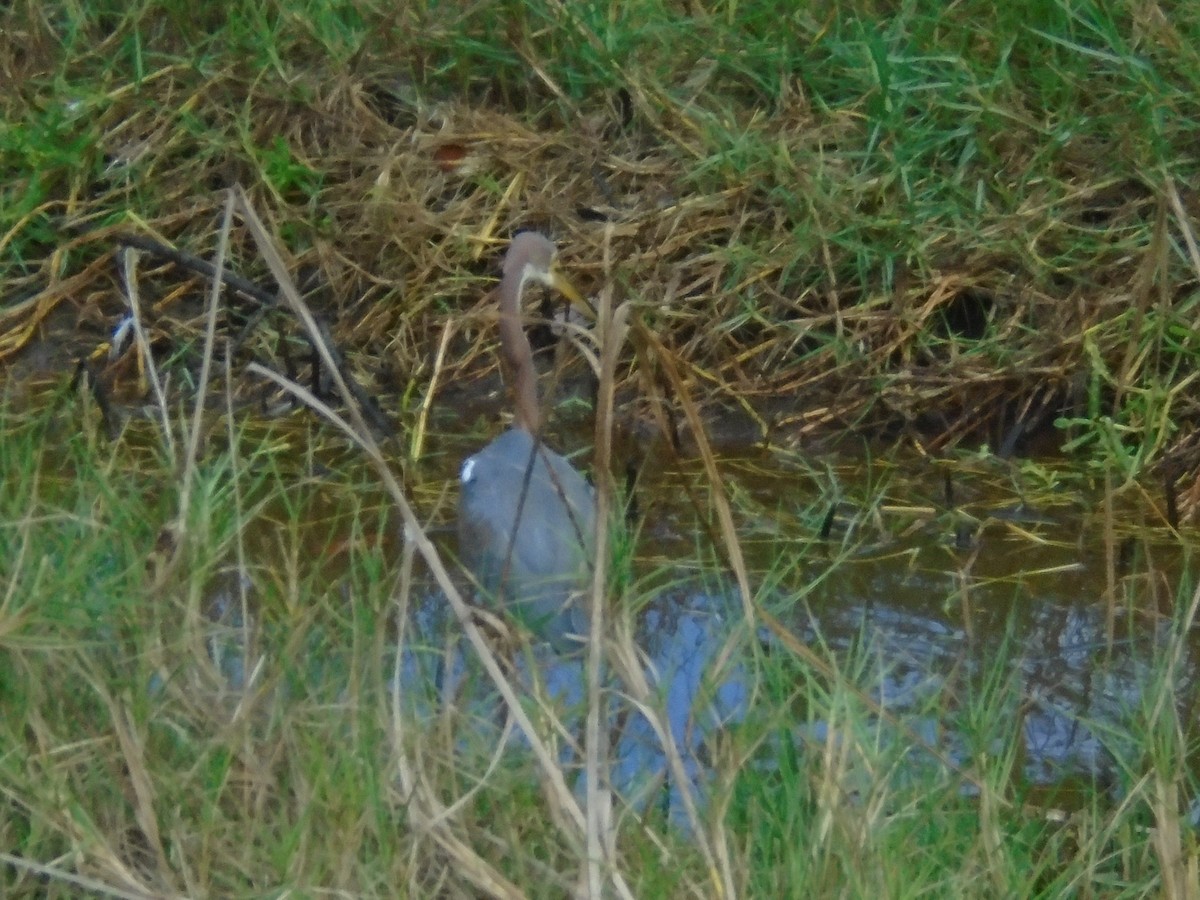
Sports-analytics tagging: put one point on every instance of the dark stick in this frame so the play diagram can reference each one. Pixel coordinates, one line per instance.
(370, 407)
(232, 280)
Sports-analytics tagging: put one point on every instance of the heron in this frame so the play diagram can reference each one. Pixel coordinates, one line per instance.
(526, 517)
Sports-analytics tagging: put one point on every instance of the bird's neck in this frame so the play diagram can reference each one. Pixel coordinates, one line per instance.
(518, 354)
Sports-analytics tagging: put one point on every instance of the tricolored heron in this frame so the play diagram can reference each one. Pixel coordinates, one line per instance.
(526, 518)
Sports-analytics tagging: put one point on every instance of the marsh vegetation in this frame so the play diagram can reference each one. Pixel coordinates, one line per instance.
(889, 399)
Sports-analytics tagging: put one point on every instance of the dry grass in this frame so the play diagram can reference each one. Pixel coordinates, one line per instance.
(823, 267)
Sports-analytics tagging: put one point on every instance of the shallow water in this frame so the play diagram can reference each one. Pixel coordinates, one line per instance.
(928, 581)
(943, 575)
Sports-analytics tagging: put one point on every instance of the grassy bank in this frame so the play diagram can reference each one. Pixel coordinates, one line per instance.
(964, 225)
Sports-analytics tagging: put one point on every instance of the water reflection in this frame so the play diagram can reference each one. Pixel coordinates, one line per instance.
(913, 619)
(695, 695)
(1075, 693)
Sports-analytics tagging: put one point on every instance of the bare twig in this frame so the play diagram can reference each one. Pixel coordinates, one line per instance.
(210, 334)
(216, 272)
(145, 353)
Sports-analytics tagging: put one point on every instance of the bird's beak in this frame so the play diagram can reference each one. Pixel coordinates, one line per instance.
(564, 287)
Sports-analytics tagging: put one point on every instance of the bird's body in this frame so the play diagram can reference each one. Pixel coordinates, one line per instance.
(525, 530)
(526, 518)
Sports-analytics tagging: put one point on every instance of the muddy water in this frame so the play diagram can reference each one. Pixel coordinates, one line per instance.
(951, 575)
(943, 576)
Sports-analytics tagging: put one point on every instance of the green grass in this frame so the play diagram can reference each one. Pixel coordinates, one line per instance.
(870, 196)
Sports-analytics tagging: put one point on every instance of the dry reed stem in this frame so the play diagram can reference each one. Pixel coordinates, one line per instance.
(601, 833)
(210, 336)
(431, 808)
(425, 804)
(129, 260)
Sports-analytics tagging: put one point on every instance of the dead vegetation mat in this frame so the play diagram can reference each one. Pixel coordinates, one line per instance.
(774, 246)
